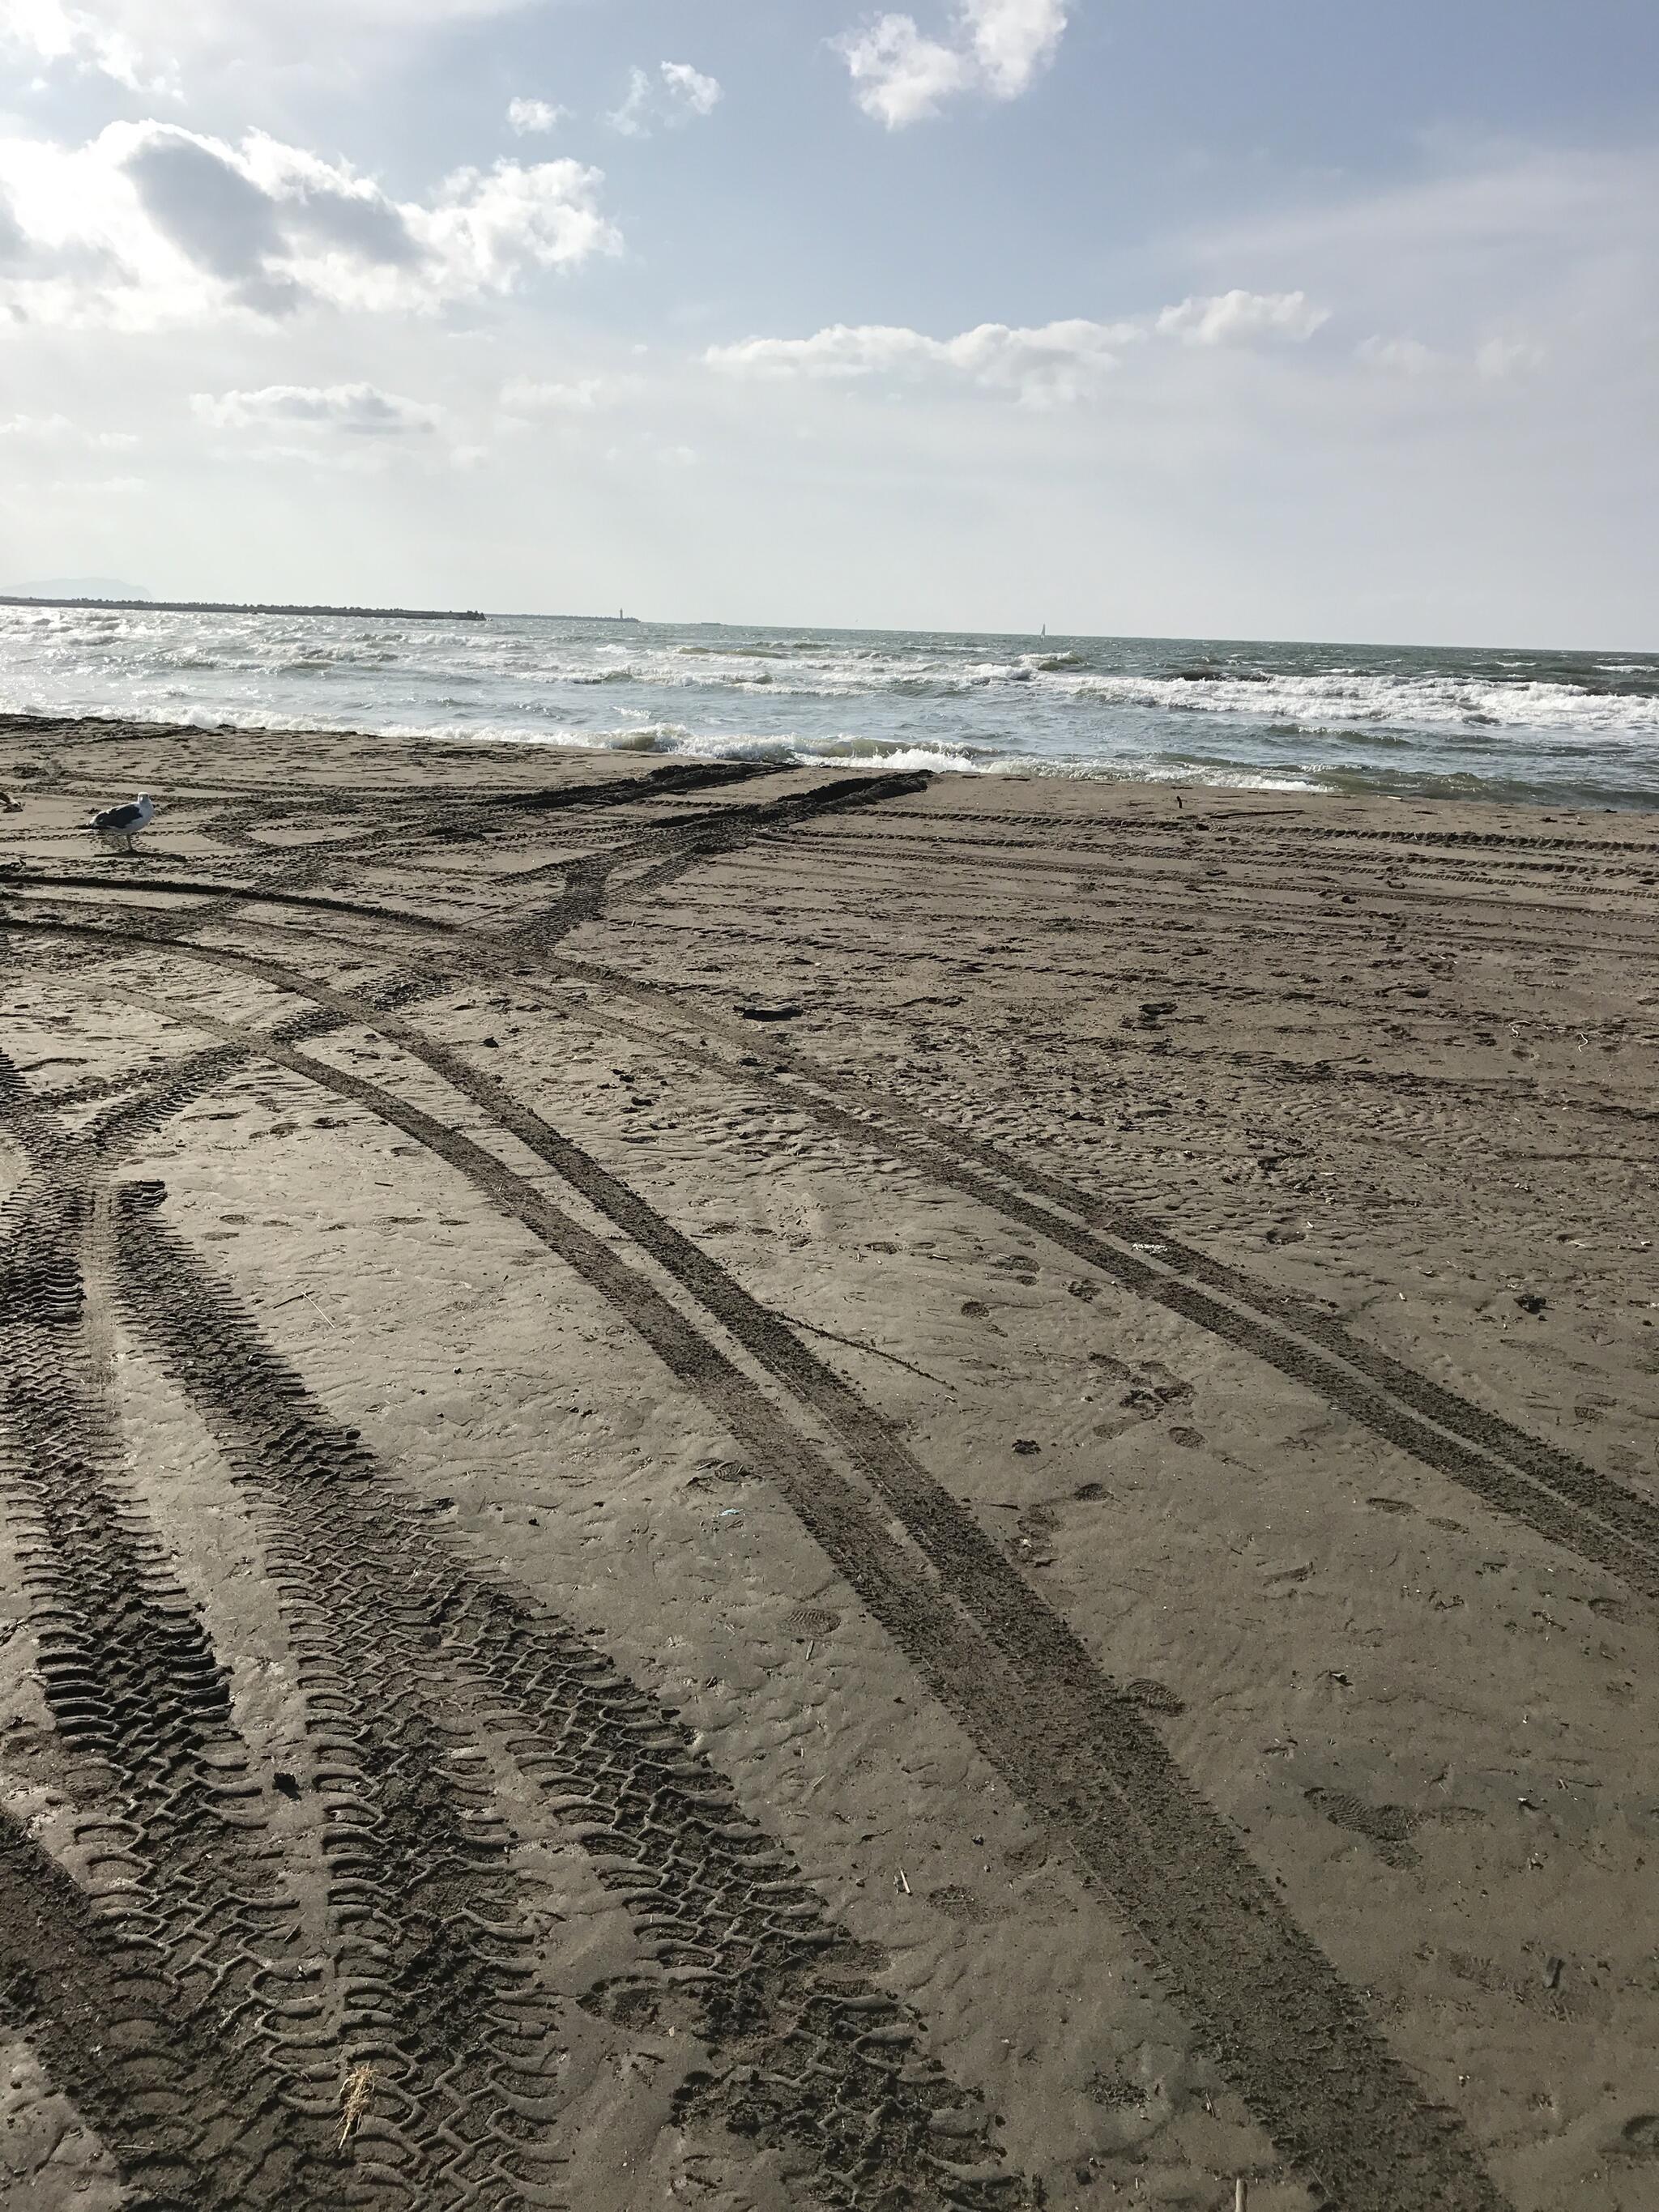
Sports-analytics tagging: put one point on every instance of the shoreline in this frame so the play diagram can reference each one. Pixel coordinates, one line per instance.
(784, 755)
(1028, 1402)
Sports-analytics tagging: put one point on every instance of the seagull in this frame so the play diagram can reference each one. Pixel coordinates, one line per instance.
(121, 825)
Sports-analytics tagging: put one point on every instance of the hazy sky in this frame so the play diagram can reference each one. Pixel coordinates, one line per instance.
(1317, 318)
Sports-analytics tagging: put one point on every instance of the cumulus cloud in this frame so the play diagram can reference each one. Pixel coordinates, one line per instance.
(674, 95)
(1012, 39)
(150, 224)
(898, 75)
(91, 38)
(1054, 364)
(1398, 356)
(1226, 317)
(998, 46)
(525, 116)
(362, 410)
(1057, 361)
(1495, 361)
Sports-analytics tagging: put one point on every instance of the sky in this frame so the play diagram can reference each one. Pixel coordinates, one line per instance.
(1315, 318)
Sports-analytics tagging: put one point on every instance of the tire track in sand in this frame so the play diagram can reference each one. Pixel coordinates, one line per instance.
(846, 2146)
(188, 2121)
(1559, 1496)
(1291, 2036)
(812, 2056)
(428, 1984)
(185, 1877)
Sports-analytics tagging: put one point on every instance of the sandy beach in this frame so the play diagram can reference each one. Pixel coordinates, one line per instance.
(747, 1488)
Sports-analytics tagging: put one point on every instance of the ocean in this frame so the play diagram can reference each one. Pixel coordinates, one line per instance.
(1578, 729)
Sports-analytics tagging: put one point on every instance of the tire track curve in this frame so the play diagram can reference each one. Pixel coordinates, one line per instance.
(175, 1841)
(763, 2102)
(812, 2057)
(1560, 1497)
(427, 1986)
(1291, 2035)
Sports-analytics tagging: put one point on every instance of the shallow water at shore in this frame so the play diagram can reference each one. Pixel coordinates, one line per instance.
(1579, 729)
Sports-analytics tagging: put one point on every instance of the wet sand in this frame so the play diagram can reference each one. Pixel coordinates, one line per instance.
(751, 1488)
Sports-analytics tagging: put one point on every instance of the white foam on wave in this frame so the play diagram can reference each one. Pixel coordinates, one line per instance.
(786, 749)
(1273, 717)
(1434, 703)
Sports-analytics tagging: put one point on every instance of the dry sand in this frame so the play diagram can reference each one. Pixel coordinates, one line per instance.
(793, 1490)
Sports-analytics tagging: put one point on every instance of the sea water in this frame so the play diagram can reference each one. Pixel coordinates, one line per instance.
(1569, 728)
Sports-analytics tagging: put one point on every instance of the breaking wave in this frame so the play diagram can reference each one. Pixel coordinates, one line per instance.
(1574, 728)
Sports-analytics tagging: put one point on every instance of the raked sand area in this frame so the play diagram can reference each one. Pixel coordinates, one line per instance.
(745, 1489)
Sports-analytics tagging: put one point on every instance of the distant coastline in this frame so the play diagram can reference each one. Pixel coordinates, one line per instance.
(250, 607)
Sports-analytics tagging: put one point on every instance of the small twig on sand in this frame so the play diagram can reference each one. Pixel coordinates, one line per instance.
(857, 1343)
(904, 1882)
(1241, 2194)
(354, 2101)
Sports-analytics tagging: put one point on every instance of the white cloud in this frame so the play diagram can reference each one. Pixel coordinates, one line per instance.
(1400, 357)
(1052, 365)
(57, 429)
(1227, 317)
(1012, 39)
(630, 118)
(142, 43)
(97, 487)
(689, 89)
(676, 94)
(901, 76)
(360, 409)
(1499, 359)
(150, 224)
(526, 393)
(1057, 362)
(1494, 360)
(91, 37)
(525, 116)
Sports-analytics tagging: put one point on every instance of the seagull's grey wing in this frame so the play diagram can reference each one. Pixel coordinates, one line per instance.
(118, 818)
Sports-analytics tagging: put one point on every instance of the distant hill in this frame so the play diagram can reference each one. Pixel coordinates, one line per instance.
(76, 587)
